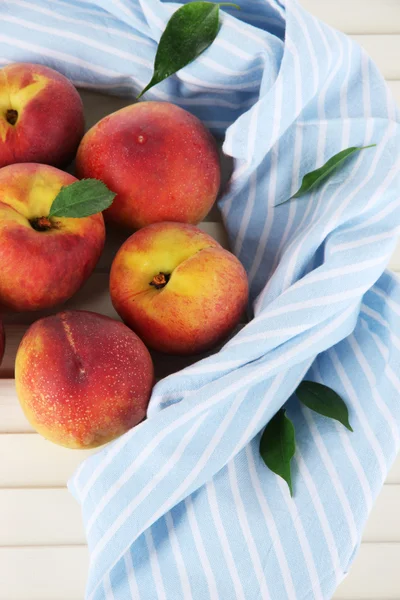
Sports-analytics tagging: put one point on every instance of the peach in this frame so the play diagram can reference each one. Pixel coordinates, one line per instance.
(82, 379)
(159, 159)
(177, 288)
(42, 261)
(41, 116)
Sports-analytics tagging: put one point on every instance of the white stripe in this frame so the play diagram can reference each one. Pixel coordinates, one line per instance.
(304, 543)
(202, 461)
(123, 8)
(317, 276)
(321, 516)
(295, 176)
(369, 374)
(382, 349)
(245, 220)
(352, 395)
(366, 241)
(276, 118)
(86, 23)
(254, 426)
(391, 303)
(333, 475)
(377, 317)
(223, 538)
(394, 380)
(217, 87)
(244, 526)
(366, 84)
(344, 88)
(69, 35)
(205, 563)
(98, 13)
(155, 567)
(271, 525)
(180, 563)
(377, 216)
(73, 60)
(244, 30)
(144, 492)
(311, 50)
(351, 454)
(130, 572)
(108, 592)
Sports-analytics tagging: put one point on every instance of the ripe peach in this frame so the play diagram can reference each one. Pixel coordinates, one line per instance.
(41, 116)
(83, 379)
(160, 160)
(177, 288)
(42, 261)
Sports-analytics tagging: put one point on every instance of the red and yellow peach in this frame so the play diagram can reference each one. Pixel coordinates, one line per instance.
(41, 116)
(42, 261)
(159, 159)
(83, 379)
(177, 288)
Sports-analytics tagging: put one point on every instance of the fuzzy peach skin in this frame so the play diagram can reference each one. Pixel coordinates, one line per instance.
(2, 341)
(177, 288)
(42, 268)
(160, 160)
(41, 116)
(82, 379)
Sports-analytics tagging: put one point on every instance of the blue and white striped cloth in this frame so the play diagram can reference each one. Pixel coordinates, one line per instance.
(182, 507)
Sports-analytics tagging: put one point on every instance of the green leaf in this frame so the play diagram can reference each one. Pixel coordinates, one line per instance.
(82, 199)
(323, 400)
(314, 178)
(190, 30)
(278, 445)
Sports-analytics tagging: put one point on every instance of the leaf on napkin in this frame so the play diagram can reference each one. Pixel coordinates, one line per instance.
(278, 445)
(314, 178)
(82, 199)
(190, 30)
(324, 401)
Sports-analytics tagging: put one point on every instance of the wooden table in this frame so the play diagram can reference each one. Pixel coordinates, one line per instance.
(42, 544)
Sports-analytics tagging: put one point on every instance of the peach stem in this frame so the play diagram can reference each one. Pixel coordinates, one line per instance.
(11, 116)
(160, 280)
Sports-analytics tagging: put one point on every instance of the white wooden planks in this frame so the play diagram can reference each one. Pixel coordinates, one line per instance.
(59, 573)
(43, 573)
(358, 16)
(29, 461)
(57, 519)
(384, 50)
(374, 575)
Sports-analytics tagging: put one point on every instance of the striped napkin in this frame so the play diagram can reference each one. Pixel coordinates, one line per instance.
(182, 507)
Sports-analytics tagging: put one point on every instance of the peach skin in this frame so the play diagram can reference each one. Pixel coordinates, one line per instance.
(82, 379)
(43, 262)
(41, 116)
(159, 159)
(177, 288)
